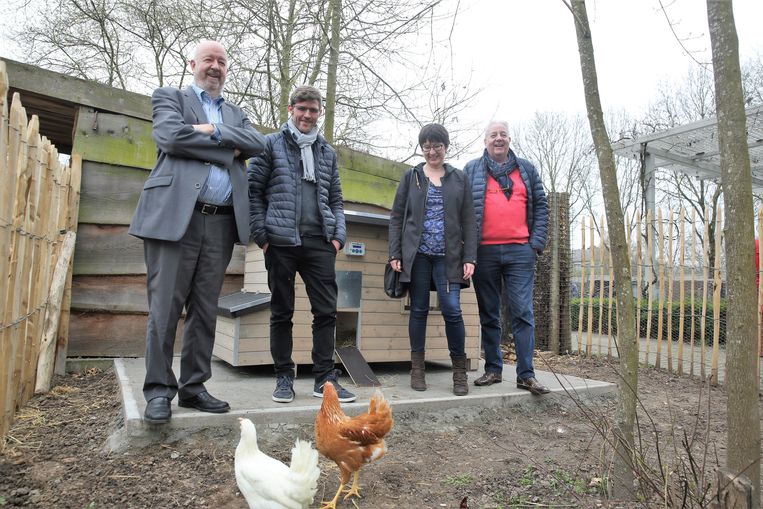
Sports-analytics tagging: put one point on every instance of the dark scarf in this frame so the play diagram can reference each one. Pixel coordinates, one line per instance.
(500, 172)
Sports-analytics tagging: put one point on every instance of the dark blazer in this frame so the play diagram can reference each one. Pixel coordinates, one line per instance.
(184, 155)
(460, 223)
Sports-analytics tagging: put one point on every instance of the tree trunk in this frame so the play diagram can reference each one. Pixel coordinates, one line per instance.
(622, 482)
(743, 413)
(335, 8)
(285, 79)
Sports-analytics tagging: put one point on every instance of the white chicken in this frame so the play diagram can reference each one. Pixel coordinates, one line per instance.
(266, 483)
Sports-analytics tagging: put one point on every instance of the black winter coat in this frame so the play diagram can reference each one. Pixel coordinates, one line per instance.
(460, 224)
(275, 191)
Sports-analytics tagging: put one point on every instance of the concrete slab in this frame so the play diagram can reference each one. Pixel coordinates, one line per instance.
(249, 389)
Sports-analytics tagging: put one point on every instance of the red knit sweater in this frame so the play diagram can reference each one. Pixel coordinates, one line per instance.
(505, 221)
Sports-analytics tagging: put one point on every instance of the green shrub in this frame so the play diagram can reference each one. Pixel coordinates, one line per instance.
(674, 309)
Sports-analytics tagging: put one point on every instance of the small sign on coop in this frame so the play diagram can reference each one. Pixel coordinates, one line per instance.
(355, 249)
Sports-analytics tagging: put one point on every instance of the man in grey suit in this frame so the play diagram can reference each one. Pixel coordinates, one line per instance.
(194, 207)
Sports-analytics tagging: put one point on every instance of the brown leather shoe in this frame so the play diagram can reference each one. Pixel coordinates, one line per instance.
(532, 385)
(489, 378)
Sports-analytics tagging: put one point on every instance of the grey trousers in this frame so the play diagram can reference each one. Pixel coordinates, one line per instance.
(190, 273)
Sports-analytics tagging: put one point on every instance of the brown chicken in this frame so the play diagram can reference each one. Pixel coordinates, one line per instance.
(351, 442)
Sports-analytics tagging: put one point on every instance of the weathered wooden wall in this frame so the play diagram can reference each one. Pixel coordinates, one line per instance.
(111, 130)
(383, 334)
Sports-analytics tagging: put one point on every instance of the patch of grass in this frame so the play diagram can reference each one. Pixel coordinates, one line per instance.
(579, 486)
(458, 481)
(518, 501)
(91, 505)
(2, 500)
(528, 476)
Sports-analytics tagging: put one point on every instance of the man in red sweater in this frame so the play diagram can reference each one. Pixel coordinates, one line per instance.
(512, 217)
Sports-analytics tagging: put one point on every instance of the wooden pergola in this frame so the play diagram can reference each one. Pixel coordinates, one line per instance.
(692, 149)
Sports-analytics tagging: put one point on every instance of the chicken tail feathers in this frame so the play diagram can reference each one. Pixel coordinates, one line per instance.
(304, 461)
(379, 404)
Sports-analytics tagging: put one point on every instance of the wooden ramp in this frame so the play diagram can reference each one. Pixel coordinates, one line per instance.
(357, 367)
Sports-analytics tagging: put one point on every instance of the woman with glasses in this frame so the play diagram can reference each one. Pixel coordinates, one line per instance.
(433, 244)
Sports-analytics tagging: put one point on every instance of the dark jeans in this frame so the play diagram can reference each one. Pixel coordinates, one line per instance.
(514, 264)
(426, 269)
(314, 260)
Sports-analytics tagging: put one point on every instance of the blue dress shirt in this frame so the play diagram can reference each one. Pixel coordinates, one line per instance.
(217, 189)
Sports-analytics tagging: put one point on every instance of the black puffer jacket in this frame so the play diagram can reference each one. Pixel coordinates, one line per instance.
(537, 204)
(460, 225)
(275, 191)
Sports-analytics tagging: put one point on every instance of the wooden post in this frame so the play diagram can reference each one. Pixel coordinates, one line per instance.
(716, 300)
(29, 262)
(41, 259)
(48, 346)
(639, 276)
(591, 285)
(760, 287)
(601, 281)
(693, 253)
(650, 284)
(14, 316)
(669, 335)
(705, 282)
(72, 217)
(582, 285)
(8, 177)
(661, 288)
(682, 288)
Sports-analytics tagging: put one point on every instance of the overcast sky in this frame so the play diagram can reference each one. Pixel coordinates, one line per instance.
(524, 52)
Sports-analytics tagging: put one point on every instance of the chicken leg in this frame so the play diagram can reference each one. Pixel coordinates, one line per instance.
(355, 488)
(332, 503)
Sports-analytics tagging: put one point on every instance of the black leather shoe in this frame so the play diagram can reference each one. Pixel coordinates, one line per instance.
(532, 385)
(205, 402)
(158, 411)
(489, 378)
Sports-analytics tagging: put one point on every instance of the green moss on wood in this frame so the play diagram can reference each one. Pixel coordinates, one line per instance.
(364, 188)
(114, 139)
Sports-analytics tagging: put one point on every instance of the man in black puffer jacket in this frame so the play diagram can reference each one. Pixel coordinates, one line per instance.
(512, 218)
(297, 218)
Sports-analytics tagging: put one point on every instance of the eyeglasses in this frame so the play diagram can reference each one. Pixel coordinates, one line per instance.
(437, 147)
(303, 109)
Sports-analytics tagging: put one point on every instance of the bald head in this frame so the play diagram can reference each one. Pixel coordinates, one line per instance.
(209, 65)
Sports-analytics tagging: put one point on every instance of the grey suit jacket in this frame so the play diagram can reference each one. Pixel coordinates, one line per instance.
(169, 194)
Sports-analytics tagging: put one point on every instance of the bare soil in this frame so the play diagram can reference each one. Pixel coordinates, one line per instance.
(551, 455)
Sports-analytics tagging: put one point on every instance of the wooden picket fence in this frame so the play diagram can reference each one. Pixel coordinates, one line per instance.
(39, 200)
(681, 315)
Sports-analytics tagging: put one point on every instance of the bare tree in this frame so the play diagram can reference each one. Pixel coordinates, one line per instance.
(561, 147)
(347, 47)
(743, 413)
(627, 342)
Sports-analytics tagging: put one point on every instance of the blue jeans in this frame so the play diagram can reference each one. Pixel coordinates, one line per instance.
(514, 264)
(427, 268)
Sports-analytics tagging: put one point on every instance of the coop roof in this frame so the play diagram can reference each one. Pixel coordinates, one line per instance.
(693, 148)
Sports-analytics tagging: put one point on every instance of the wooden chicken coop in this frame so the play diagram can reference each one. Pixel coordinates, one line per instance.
(366, 318)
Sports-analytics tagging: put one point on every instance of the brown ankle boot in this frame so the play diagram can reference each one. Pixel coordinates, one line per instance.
(418, 382)
(460, 381)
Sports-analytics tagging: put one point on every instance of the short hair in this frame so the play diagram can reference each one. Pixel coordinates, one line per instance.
(195, 49)
(434, 133)
(305, 93)
(492, 123)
